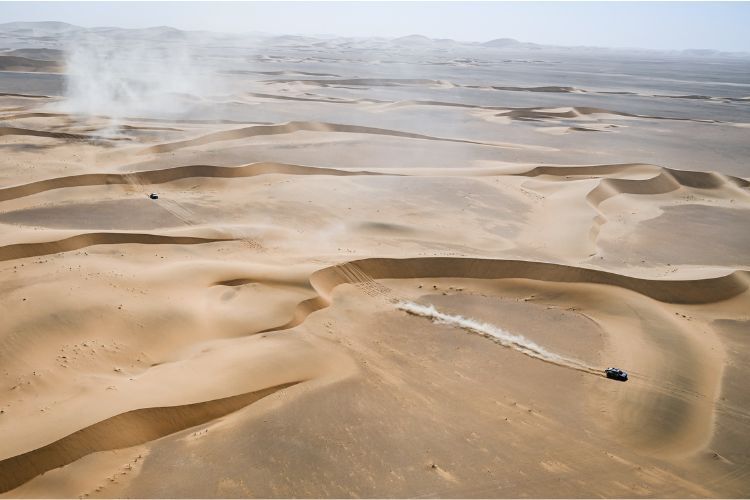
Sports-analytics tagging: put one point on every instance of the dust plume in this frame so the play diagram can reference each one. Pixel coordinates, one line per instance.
(119, 78)
(496, 334)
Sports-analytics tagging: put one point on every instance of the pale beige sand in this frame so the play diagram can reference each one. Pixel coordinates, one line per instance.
(241, 336)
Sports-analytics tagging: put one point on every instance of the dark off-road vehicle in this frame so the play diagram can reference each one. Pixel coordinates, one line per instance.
(616, 374)
(154, 196)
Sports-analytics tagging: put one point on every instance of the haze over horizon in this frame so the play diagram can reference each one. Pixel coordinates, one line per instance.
(642, 25)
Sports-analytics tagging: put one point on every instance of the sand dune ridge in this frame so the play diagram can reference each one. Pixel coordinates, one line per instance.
(122, 431)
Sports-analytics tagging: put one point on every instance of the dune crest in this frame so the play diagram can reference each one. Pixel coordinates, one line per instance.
(122, 431)
(26, 250)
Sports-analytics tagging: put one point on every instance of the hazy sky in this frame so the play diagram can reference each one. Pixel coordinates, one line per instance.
(658, 25)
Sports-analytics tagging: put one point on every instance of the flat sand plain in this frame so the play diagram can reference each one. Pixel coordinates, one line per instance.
(245, 334)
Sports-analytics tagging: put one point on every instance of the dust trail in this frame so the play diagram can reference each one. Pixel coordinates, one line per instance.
(496, 334)
(112, 78)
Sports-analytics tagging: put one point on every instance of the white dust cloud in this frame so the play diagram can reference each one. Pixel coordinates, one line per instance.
(132, 78)
(492, 332)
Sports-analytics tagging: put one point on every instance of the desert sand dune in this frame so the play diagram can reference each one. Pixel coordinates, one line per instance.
(641, 179)
(291, 127)
(168, 175)
(541, 113)
(553, 89)
(521, 114)
(304, 99)
(367, 273)
(383, 82)
(122, 431)
(26, 250)
(43, 133)
(280, 73)
(25, 96)
(39, 54)
(678, 291)
(27, 115)
(18, 63)
(665, 181)
(703, 98)
(366, 82)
